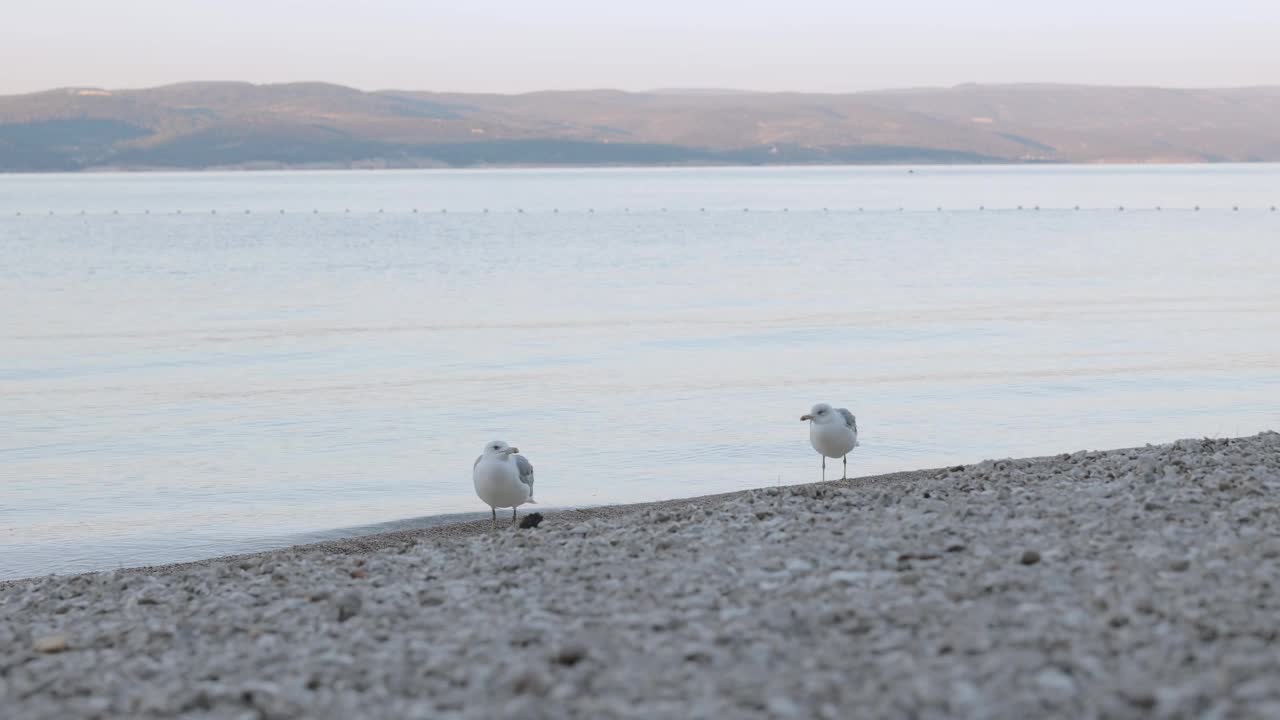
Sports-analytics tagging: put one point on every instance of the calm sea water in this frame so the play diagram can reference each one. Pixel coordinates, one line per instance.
(186, 370)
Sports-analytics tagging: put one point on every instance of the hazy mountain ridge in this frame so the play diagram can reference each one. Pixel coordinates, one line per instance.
(200, 125)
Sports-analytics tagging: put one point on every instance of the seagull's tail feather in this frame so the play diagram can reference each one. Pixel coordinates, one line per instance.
(530, 501)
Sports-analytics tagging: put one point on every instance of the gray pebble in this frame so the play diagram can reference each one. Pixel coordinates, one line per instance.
(348, 605)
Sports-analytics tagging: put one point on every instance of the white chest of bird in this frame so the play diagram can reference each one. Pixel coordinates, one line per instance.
(832, 440)
(498, 483)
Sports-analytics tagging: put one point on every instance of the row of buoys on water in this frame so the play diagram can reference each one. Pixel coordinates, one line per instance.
(521, 211)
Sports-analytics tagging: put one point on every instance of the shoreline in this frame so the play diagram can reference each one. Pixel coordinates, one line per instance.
(1125, 583)
(497, 167)
(447, 530)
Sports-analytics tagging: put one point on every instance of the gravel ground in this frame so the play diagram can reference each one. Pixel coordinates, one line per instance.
(1130, 583)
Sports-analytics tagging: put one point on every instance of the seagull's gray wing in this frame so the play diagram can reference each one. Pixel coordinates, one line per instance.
(849, 420)
(526, 472)
(477, 462)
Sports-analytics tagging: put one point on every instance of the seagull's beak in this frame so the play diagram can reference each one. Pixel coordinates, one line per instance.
(512, 451)
(806, 417)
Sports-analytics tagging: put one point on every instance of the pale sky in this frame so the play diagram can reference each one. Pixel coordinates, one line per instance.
(517, 46)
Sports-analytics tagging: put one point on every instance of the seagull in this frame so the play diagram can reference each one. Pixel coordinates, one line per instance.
(502, 478)
(833, 432)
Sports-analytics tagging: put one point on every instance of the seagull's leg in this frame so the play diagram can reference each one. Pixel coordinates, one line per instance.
(495, 517)
(846, 468)
(513, 516)
(824, 468)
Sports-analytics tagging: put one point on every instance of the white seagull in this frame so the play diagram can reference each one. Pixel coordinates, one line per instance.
(833, 432)
(502, 478)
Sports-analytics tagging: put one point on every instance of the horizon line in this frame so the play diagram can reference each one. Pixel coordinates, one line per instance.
(667, 90)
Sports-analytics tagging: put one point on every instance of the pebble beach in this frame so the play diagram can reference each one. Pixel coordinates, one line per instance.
(1130, 583)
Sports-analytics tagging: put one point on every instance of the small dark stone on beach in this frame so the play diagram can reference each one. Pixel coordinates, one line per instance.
(1030, 557)
(530, 521)
(1141, 698)
(570, 655)
(907, 557)
(958, 468)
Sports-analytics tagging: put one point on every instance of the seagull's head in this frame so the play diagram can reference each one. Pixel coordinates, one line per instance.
(819, 413)
(500, 449)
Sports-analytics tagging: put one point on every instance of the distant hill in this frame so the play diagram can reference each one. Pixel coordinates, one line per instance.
(208, 125)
